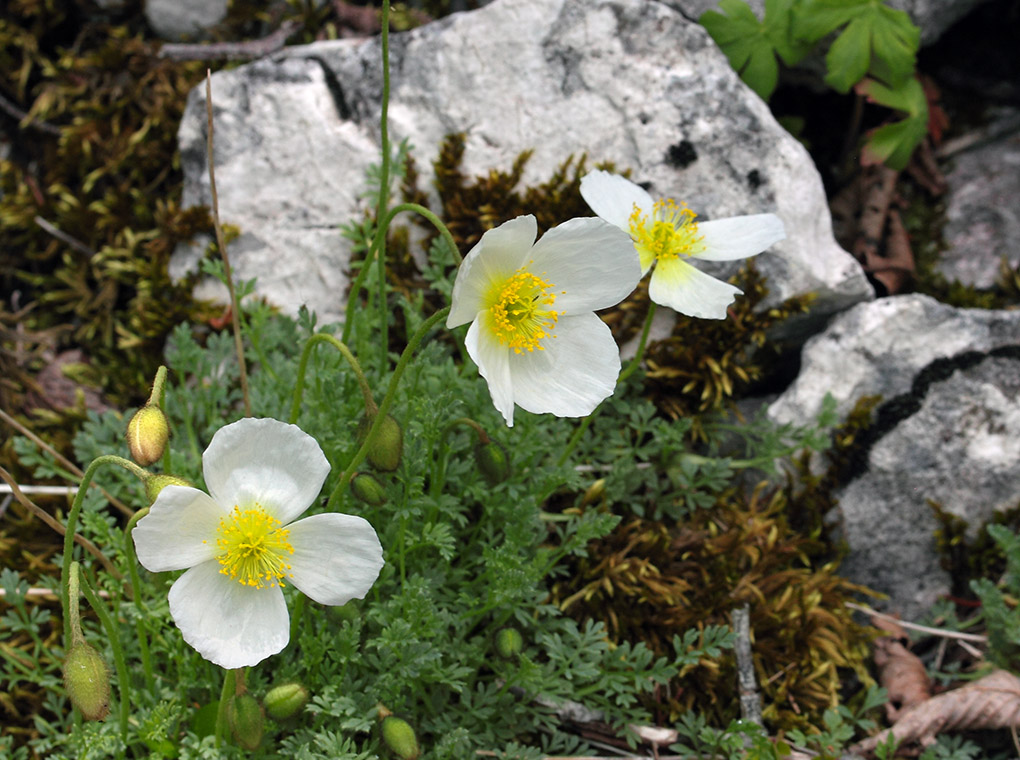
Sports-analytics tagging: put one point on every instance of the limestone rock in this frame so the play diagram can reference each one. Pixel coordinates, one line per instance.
(183, 19)
(982, 215)
(959, 450)
(627, 81)
(951, 378)
(879, 347)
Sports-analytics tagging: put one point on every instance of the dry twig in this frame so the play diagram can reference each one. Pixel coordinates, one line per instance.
(231, 51)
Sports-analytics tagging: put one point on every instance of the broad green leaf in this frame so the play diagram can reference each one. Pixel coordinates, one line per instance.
(893, 144)
(849, 57)
(779, 18)
(761, 73)
(816, 18)
(744, 40)
(884, 37)
(908, 97)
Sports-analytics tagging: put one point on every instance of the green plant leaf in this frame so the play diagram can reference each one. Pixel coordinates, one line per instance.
(779, 20)
(894, 143)
(745, 42)
(878, 40)
(849, 57)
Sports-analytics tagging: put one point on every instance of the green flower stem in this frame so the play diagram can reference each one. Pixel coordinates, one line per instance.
(340, 346)
(72, 525)
(235, 307)
(123, 676)
(229, 685)
(441, 228)
(438, 479)
(384, 186)
(157, 395)
(136, 592)
(627, 372)
(336, 497)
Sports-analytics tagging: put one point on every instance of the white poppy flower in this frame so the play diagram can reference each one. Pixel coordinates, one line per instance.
(242, 542)
(666, 235)
(534, 334)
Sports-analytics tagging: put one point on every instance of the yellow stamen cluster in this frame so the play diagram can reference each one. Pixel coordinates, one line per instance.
(520, 317)
(253, 548)
(671, 231)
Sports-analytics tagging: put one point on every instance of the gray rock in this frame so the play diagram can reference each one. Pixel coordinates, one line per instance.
(954, 441)
(629, 81)
(960, 450)
(982, 212)
(933, 17)
(184, 19)
(879, 347)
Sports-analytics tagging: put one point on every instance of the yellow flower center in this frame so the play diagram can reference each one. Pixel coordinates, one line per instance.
(669, 233)
(520, 312)
(253, 548)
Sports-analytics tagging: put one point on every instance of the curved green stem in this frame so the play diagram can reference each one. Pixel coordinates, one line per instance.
(384, 187)
(72, 525)
(229, 684)
(123, 676)
(439, 475)
(136, 592)
(336, 497)
(441, 228)
(340, 346)
(627, 372)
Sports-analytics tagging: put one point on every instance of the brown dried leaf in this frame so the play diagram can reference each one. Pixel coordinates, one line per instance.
(988, 703)
(903, 675)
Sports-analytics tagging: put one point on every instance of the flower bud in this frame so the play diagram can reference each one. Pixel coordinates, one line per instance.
(147, 434)
(244, 716)
(493, 462)
(384, 453)
(157, 483)
(367, 489)
(285, 701)
(398, 735)
(509, 643)
(87, 681)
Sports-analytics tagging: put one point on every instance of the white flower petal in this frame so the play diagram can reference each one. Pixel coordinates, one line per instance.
(591, 260)
(500, 252)
(179, 531)
(493, 360)
(681, 287)
(265, 461)
(739, 236)
(613, 197)
(229, 624)
(575, 372)
(336, 557)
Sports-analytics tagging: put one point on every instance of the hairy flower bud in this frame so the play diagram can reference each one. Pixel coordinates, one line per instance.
(285, 701)
(87, 681)
(398, 735)
(147, 434)
(493, 462)
(367, 489)
(384, 453)
(509, 643)
(157, 483)
(244, 716)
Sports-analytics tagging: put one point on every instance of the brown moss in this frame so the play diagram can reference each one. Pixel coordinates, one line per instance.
(649, 581)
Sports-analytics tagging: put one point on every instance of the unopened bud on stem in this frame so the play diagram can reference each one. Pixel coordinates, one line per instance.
(87, 681)
(147, 434)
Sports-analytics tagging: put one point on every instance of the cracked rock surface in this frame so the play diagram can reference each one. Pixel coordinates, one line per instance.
(628, 81)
